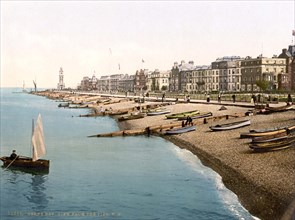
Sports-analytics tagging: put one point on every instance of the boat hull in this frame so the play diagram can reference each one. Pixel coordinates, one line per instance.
(230, 126)
(274, 145)
(275, 132)
(277, 109)
(26, 163)
(158, 113)
(196, 116)
(183, 114)
(131, 117)
(270, 138)
(181, 130)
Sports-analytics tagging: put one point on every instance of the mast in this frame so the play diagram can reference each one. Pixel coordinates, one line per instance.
(32, 147)
(35, 85)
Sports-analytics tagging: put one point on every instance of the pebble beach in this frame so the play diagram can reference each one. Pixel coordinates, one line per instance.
(263, 182)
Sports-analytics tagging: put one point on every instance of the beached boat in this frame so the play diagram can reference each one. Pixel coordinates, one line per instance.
(118, 112)
(181, 130)
(274, 145)
(268, 132)
(131, 116)
(269, 110)
(183, 114)
(64, 105)
(31, 163)
(230, 126)
(159, 111)
(203, 115)
(270, 138)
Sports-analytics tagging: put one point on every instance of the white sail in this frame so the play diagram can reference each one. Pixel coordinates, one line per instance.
(38, 140)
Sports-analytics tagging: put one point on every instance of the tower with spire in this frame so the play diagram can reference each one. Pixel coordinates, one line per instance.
(61, 85)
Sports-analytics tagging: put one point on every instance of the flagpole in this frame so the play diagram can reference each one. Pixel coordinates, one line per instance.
(110, 50)
(142, 61)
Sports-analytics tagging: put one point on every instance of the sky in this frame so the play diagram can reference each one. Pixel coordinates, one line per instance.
(96, 37)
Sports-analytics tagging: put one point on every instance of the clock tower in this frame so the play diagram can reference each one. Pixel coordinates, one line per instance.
(61, 85)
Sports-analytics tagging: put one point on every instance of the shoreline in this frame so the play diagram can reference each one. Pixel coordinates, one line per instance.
(263, 182)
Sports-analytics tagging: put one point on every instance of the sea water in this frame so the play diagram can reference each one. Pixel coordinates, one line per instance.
(103, 178)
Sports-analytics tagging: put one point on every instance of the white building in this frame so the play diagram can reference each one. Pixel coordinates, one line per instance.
(158, 80)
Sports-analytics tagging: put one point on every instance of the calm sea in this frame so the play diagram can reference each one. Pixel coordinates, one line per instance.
(107, 178)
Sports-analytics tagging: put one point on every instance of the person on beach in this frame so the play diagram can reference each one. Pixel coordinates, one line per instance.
(13, 155)
(189, 121)
(234, 98)
(219, 97)
(254, 99)
(188, 98)
(208, 98)
(289, 99)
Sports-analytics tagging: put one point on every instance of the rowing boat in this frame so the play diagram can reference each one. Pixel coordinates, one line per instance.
(269, 110)
(181, 130)
(230, 126)
(204, 115)
(159, 111)
(273, 145)
(183, 114)
(131, 116)
(268, 132)
(264, 139)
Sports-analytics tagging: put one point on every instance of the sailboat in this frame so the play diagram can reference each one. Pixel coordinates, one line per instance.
(24, 87)
(38, 151)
